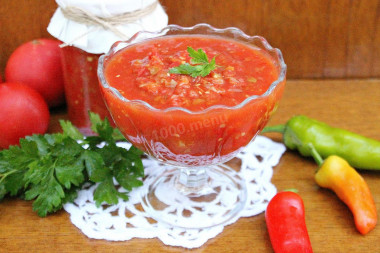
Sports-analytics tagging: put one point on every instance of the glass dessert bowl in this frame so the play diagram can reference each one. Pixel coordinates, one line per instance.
(192, 124)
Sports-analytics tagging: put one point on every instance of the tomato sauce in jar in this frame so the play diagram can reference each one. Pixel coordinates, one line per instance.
(82, 87)
(191, 120)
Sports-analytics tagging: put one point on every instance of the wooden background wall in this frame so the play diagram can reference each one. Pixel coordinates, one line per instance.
(319, 38)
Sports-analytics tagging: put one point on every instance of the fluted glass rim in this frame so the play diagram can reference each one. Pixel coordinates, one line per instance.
(152, 35)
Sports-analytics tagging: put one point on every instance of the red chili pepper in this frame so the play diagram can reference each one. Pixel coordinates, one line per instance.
(285, 218)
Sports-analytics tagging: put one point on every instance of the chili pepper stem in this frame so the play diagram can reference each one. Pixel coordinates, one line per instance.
(277, 129)
(291, 190)
(314, 153)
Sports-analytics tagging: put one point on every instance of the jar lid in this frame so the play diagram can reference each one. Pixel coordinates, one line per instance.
(94, 25)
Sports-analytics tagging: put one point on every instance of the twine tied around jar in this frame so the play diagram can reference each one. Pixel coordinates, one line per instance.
(82, 16)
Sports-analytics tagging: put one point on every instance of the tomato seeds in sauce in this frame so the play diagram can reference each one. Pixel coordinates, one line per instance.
(141, 72)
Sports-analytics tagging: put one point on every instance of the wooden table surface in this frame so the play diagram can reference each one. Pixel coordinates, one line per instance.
(353, 105)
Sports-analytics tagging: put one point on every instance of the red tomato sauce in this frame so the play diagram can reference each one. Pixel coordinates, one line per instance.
(141, 72)
(82, 87)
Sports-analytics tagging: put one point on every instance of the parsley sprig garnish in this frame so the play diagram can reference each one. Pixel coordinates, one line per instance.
(51, 168)
(202, 66)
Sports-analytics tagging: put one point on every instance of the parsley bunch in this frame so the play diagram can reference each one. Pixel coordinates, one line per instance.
(51, 168)
(202, 66)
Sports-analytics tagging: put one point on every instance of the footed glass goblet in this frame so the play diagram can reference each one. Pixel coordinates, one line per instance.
(192, 122)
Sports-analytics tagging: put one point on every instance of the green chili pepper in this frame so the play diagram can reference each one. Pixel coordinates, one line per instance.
(359, 151)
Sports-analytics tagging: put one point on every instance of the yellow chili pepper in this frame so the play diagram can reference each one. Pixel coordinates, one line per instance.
(337, 175)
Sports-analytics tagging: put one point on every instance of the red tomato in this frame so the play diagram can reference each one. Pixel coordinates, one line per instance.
(38, 64)
(23, 111)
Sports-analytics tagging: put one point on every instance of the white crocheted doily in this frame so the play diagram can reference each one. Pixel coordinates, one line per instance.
(128, 220)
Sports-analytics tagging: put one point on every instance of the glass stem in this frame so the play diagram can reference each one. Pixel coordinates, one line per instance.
(192, 180)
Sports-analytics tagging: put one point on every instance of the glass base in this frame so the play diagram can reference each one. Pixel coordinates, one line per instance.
(195, 197)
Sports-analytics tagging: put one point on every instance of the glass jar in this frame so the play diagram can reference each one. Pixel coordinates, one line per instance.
(87, 30)
(82, 87)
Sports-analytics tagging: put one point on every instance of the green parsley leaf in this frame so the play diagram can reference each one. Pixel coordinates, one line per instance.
(70, 173)
(15, 182)
(111, 162)
(94, 165)
(48, 194)
(106, 192)
(95, 120)
(198, 57)
(99, 126)
(3, 191)
(202, 66)
(127, 178)
(70, 130)
(49, 169)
